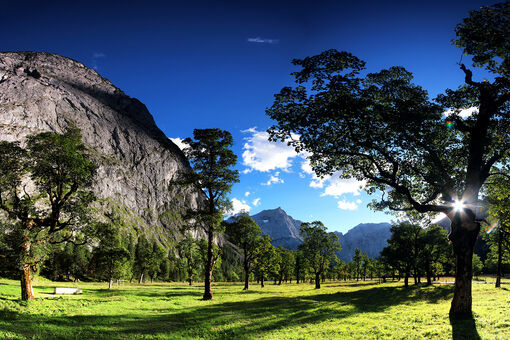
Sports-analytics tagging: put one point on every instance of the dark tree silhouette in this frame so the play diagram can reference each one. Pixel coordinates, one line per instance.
(384, 129)
(211, 158)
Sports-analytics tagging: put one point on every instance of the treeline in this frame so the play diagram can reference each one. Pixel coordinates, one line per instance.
(245, 254)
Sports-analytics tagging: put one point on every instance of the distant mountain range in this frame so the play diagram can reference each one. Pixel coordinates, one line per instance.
(284, 230)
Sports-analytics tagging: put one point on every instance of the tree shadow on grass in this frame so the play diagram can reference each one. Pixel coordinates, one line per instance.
(464, 328)
(216, 320)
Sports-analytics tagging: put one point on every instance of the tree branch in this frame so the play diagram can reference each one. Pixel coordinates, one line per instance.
(469, 77)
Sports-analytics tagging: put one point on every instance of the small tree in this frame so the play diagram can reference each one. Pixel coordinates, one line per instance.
(402, 251)
(498, 199)
(436, 250)
(157, 257)
(287, 264)
(45, 193)
(189, 251)
(477, 265)
(265, 263)
(211, 158)
(246, 234)
(318, 247)
(143, 253)
(357, 260)
(110, 256)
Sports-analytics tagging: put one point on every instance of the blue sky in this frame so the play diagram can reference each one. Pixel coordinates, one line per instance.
(201, 64)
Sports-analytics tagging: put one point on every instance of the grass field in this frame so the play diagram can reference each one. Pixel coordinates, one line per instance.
(344, 310)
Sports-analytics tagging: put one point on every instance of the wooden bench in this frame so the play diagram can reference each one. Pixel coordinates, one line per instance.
(61, 290)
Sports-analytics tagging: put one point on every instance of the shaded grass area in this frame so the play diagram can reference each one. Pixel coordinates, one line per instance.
(338, 310)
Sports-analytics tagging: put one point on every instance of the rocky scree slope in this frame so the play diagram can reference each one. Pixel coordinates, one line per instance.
(137, 162)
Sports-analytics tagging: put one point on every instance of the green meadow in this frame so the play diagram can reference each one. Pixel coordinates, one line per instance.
(343, 310)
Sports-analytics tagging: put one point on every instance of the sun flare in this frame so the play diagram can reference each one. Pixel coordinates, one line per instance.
(458, 205)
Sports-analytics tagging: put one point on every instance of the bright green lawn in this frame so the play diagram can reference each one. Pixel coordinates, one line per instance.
(338, 310)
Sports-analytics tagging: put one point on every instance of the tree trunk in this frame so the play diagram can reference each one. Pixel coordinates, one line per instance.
(262, 281)
(141, 279)
(463, 236)
(406, 280)
(246, 276)
(208, 267)
(317, 280)
(110, 283)
(27, 292)
(429, 274)
(500, 258)
(190, 281)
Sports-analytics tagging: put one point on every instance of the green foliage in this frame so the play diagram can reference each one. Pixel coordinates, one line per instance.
(67, 262)
(415, 250)
(56, 209)
(111, 257)
(318, 247)
(149, 258)
(212, 161)
(266, 261)
(211, 158)
(477, 265)
(189, 252)
(246, 234)
(484, 36)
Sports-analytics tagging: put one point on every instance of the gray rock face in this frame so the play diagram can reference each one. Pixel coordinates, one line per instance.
(283, 229)
(137, 162)
(370, 238)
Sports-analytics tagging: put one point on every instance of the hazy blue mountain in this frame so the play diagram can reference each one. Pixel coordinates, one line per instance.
(284, 230)
(369, 237)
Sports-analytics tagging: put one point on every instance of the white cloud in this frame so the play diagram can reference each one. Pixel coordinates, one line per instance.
(246, 194)
(263, 40)
(262, 155)
(344, 205)
(239, 206)
(274, 179)
(464, 113)
(336, 186)
(179, 142)
(256, 202)
(358, 201)
(317, 182)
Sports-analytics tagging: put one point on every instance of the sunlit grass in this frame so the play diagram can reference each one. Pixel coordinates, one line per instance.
(338, 310)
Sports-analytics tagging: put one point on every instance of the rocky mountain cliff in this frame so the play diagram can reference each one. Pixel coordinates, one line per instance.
(283, 229)
(369, 237)
(137, 162)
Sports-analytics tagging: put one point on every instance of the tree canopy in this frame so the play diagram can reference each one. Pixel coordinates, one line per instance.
(45, 191)
(318, 247)
(383, 129)
(212, 161)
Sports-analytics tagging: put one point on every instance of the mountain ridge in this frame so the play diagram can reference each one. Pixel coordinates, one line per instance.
(284, 230)
(138, 164)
